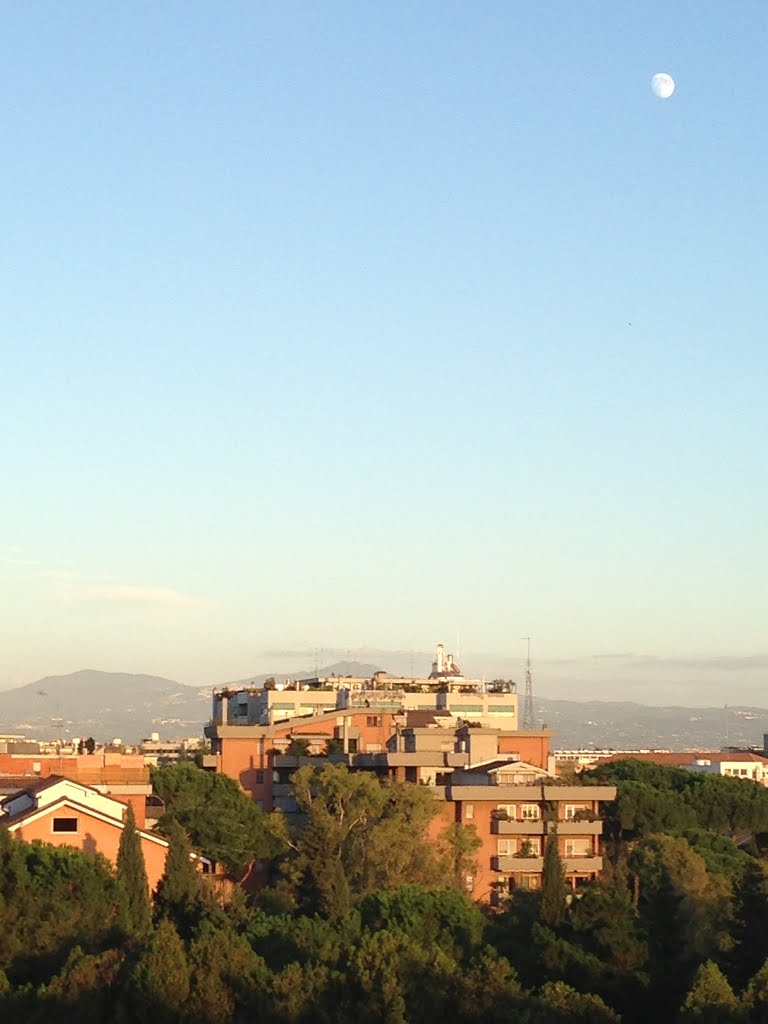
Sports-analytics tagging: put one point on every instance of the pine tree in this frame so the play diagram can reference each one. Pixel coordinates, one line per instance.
(711, 999)
(755, 997)
(554, 888)
(178, 895)
(135, 909)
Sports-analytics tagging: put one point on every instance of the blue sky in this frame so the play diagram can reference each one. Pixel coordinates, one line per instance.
(315, 331)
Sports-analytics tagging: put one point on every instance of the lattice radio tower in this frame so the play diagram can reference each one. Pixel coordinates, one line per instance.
(528, 717)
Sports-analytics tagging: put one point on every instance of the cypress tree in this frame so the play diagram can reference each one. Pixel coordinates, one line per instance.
(178, 896)
(553, 884)
(158, 986)
(135, 909)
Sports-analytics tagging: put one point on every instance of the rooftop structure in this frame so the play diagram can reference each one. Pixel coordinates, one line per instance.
(444, 689)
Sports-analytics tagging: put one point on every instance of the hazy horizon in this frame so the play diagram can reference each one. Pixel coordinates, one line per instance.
(684, 682)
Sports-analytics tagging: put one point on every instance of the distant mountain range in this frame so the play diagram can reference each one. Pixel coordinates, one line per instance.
(106, 705)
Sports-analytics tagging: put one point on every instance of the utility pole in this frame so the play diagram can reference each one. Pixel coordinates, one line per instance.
(528, 716)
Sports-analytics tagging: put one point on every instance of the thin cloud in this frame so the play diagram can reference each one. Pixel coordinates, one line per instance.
(129, 595)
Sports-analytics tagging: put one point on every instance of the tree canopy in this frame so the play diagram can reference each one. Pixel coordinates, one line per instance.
(222, 822)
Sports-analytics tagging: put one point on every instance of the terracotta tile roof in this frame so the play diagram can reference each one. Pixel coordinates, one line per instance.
(29, 784)
(15, 783)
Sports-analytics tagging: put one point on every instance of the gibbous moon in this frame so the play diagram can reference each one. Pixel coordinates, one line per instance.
(663, 85)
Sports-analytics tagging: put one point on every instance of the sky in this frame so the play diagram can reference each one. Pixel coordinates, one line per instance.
(339, 326)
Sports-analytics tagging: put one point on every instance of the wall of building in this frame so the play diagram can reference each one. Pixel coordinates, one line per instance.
(124, 776)
(93, 836)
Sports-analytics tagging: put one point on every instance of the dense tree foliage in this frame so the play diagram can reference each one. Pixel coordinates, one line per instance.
(220, 820)
(654, 798)
(357, 836)
(366, 920)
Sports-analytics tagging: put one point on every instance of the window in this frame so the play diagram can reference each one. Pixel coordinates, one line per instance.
(530, 882)
(411, 775)
(469, 811)
(578, 847)
(506, 847)
(352, 746)
(374, 721)
(64, 825)
(530, 812)
(570, 812)
(506, 812)
(259, 781)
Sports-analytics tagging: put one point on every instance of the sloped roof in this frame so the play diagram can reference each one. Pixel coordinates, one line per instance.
(33, 785)
(65, 801)
(12, 784)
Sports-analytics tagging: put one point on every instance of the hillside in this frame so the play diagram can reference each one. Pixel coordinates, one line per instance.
(109, 704)
(104, 705)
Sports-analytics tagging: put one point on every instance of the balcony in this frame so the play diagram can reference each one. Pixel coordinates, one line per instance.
(576, 828)
(583, 865)
(520, 865)
(506, 827)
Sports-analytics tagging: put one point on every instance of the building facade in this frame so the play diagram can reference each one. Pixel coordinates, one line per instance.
(482, 769)
(60, 812)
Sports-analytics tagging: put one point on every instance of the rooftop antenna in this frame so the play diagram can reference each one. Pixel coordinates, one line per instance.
(528, 719)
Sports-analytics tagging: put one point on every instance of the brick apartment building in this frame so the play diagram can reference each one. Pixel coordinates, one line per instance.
(454, 735)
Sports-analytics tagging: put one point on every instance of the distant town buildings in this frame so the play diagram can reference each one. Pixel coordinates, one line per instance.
(742, 764)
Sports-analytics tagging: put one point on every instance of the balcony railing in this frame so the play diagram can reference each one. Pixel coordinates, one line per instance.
(576, 828)
(513, 864)
(583, 865)
(517, 864)
(507, 827)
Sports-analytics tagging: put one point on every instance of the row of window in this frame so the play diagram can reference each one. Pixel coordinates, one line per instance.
(525, 812)
(530, 846)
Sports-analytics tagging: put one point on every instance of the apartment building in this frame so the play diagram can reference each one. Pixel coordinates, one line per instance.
(444, 689)
(500, 780)
(517, 809)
